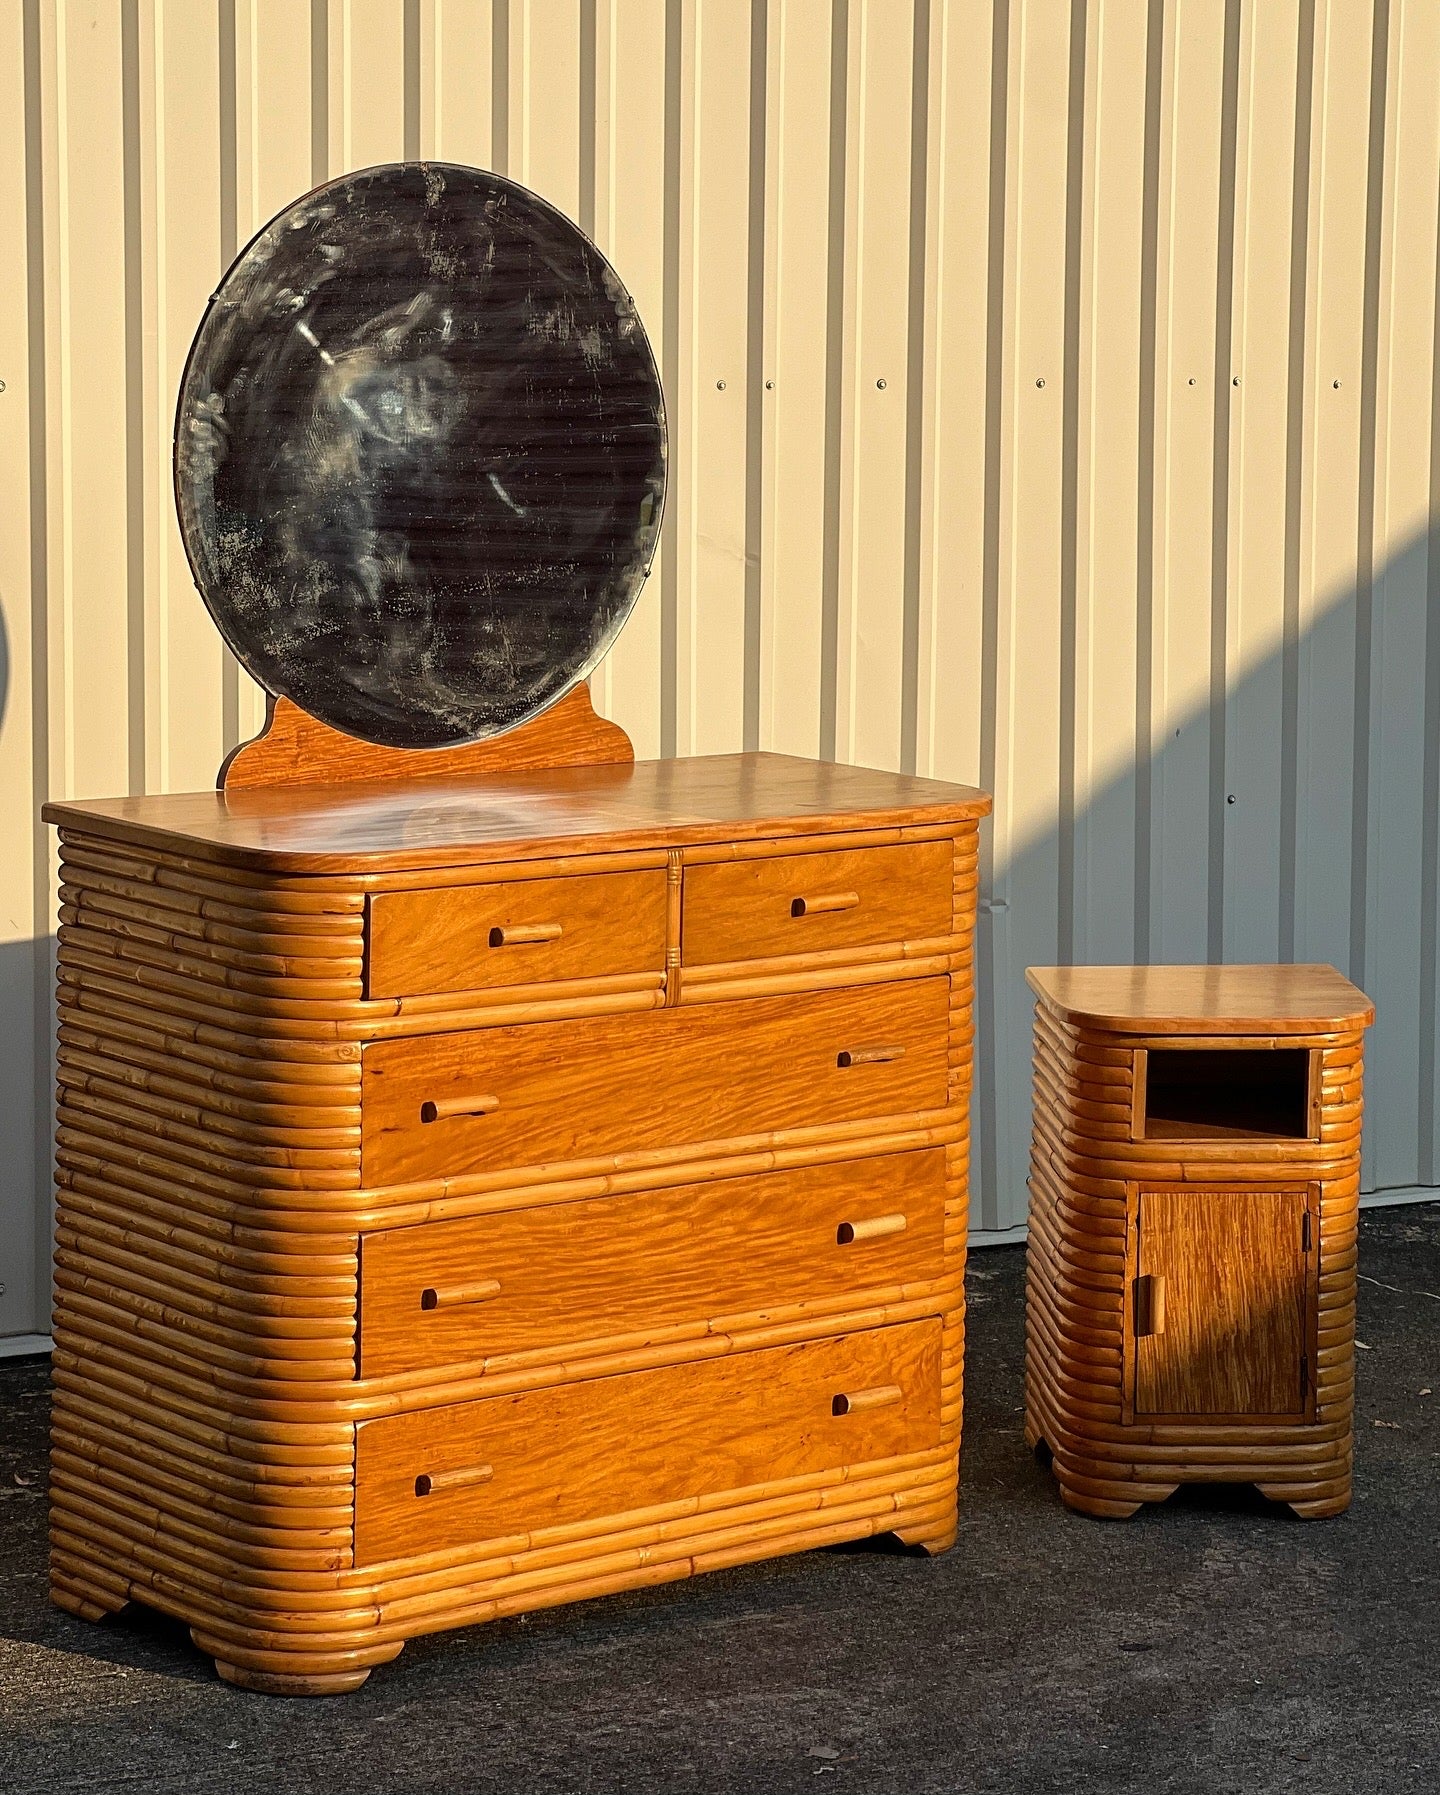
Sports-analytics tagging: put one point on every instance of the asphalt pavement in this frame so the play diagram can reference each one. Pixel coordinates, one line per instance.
(1215, 1644)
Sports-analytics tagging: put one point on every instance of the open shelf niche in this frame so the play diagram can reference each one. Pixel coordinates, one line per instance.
(1223, 1094)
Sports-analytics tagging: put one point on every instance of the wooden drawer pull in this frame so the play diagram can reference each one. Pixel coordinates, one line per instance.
(868, 1056)
(452, 1296)
(458, 1106)
(830, 900)
(432, 1483)
(517, 934)
(877, 1398)
(870, 1229)
(1149, 1305)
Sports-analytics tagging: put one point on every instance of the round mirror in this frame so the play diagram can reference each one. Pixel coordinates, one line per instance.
(420, 455)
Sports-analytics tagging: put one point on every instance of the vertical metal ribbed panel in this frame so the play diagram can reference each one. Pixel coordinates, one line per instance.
(1142, 518)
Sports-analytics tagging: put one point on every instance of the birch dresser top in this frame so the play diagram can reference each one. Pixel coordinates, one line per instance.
(388, 826)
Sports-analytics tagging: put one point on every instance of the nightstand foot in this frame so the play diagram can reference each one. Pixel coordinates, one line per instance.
(82, 1607)
(1100, 1508)
(1308, 1508)
(86, 1597)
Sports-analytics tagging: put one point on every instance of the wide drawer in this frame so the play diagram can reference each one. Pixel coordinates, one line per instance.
(518, 932)
(529, 1279)
(512, 1465)
(544, 1092)
(812, 903)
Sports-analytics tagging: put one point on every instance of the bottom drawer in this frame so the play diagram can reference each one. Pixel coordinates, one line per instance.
(550, 1458)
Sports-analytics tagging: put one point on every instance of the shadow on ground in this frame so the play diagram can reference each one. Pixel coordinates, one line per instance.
(1210, 1646)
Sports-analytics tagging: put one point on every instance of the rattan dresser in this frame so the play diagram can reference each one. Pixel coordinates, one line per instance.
(499, 1187)
(1194, 1186)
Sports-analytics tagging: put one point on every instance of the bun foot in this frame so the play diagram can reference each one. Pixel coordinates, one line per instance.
(1310, 1508)
(285, 1682)
(1100, 1508)
(82, 1607)
(86, 1597)
(281, 1673)
(930, 1540)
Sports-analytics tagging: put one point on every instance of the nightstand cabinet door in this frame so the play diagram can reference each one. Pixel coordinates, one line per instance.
(1221, 1300)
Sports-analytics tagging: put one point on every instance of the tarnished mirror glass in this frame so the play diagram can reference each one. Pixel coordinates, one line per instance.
(420, 454)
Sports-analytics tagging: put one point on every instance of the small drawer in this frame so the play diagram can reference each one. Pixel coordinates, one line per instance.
(530, 1279)
(810, 903)
(544, 1093)
(508, 1465)
(519, 932)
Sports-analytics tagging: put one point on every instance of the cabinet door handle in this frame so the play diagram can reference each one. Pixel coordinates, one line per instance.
(828, 900)
(443, 1108)
(868, 1056)
(1149, 1305)
(871, 1228)
(879, 1397)
(434, 1483)
(517, 934)
(453, 1296)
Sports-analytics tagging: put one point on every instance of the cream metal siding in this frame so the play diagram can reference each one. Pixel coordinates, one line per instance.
(1053, 394)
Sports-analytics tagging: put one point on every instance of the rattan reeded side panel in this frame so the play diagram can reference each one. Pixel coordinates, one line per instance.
(207, 1156)
(1085, 1169)
(210, 1212)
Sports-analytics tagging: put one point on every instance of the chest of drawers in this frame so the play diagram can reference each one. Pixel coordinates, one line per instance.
(477, 1194)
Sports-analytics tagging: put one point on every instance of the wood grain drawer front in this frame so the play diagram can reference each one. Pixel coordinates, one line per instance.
(605, 1447)
(545, 1092)
(521, 932)
(810, 903)
(529, 1279)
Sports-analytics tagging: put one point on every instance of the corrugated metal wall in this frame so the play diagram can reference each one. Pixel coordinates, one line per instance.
(1053, 386)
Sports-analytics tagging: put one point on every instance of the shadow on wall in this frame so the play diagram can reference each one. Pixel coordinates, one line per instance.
(1292, 815)
(25, 1116)
(24, 1242)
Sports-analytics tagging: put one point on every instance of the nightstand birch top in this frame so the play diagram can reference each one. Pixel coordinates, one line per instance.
(1203, 1000)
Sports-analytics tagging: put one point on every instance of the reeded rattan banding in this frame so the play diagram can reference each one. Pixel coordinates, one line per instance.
(211, 1215)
